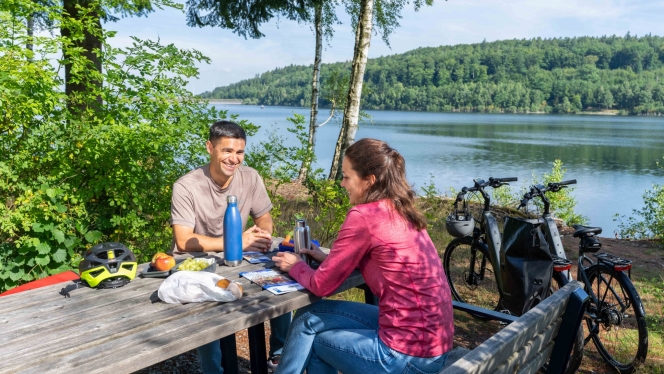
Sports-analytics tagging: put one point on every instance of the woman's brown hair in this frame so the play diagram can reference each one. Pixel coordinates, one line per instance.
(375, 157)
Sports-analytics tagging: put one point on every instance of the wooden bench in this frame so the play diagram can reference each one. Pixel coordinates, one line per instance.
(525, 345)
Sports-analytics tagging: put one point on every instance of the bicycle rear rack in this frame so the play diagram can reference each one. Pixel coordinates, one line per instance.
(617, 263)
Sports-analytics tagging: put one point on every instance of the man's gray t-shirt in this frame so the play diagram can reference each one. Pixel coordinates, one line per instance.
(198, 201)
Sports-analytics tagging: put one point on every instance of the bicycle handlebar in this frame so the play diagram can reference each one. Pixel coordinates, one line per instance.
(481, 184)
(539, 191)
(510, 179)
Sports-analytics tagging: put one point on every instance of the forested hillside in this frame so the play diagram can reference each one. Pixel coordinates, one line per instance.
(560, 75)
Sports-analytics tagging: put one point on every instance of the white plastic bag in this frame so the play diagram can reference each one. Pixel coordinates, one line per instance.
(192, 287)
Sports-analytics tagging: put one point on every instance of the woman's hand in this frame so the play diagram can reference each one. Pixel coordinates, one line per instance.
(286, 260)
(315, 253)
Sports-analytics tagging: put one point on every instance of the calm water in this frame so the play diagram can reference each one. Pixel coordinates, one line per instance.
(612, 158)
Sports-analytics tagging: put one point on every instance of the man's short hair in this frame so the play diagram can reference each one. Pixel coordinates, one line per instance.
(226, 129)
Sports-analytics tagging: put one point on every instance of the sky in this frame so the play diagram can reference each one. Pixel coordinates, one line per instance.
(234, 58)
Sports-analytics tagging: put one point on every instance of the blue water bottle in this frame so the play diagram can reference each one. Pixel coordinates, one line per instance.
(232, 233)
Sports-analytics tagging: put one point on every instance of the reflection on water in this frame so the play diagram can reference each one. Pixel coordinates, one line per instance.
(613, 158)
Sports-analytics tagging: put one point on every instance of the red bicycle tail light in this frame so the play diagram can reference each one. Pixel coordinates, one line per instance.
(562, 267)
(622, 267)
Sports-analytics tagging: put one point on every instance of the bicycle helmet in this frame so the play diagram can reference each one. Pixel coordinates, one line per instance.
(108, 265)
(460, 223)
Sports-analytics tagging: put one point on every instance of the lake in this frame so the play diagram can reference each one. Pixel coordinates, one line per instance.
(612, 158)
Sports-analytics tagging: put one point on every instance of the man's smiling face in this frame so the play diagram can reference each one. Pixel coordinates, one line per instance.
(226, 155)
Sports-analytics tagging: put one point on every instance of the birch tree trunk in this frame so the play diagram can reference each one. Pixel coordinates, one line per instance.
(352, 110)
(315, 83)
(31, 31)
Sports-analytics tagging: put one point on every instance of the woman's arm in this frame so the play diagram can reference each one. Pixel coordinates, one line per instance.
(352, 244)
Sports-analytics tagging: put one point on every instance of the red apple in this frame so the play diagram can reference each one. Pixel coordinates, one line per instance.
(156, 256)
(164, 263)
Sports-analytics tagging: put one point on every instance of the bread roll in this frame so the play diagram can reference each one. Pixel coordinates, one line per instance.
(235, 289)
(223, 283)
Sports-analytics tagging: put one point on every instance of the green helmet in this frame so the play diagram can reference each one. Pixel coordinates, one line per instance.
(108, 265)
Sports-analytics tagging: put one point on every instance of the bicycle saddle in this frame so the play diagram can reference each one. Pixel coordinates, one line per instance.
(585, 230)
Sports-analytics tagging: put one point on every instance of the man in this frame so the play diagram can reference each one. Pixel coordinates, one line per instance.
(197, 217)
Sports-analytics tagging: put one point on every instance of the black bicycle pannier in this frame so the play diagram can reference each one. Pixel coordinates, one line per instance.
(526, 265)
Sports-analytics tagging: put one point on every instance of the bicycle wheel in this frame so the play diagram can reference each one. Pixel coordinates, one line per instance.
(559, 281)
(470, 274)
(619, 328)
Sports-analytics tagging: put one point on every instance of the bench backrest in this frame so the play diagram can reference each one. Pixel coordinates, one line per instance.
(527, 343)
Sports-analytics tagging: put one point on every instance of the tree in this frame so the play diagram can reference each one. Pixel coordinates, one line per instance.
(387, 14)
(87, 15)
(324, 17)
(70, 182)
(244, 17)
(605, 98)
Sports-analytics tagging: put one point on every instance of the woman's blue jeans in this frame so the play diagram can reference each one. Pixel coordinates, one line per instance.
(331, 336)
(209, 355)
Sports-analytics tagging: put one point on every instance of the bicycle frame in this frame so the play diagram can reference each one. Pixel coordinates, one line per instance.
(488, 239)
(550, 228)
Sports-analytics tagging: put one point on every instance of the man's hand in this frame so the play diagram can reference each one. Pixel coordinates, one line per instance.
(315, 253)
(286, 260)
(256, 239)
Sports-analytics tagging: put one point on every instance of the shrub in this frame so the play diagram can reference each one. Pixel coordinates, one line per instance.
(650, 223)
(70, 181)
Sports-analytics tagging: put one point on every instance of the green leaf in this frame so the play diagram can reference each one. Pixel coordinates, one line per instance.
(50, 193)
(16, 275)
(93, 236)
(61, 208)
(37, 227)
(58, 235)
(42, 260)
(60, 255)
(80, 228)
(43, 248)
(70, 242)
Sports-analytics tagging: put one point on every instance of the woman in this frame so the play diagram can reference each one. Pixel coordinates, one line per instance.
(411, 329)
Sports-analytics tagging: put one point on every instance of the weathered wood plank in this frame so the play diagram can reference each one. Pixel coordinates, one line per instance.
(160, 342)
(536, 362)
(252, 314)
(53, 306)
(47, 333)
(530, 350)
(500, 346)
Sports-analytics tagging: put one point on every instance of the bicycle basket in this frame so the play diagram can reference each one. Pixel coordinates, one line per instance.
(460, 223)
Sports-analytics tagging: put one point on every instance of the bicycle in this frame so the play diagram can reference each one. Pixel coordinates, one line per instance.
(470, 260)
(615, 316)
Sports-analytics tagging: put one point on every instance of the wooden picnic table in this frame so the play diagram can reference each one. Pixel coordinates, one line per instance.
(128, 328)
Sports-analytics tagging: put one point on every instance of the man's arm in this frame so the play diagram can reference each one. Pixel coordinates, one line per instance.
(257, 238)
(265, 222)
(187, 241)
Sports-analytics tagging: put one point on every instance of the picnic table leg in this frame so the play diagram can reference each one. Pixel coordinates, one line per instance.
(229, 355)
(257, 351)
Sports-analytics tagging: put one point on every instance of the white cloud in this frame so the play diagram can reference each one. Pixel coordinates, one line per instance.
(445, 23)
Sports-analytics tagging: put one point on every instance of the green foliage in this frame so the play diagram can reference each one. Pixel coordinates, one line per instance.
(70, 181)
(431, 201)
(650, 221)
(278, 164)
(330, 203)
(539, 75)
(562, 202)
(504, 196)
